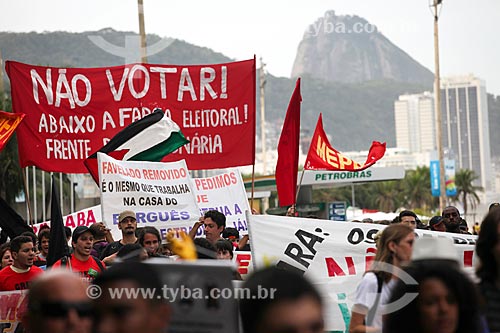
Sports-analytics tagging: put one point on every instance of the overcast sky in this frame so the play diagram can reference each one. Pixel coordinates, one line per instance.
(272, 29)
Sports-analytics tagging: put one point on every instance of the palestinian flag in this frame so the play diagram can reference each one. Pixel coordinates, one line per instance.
(148, 139)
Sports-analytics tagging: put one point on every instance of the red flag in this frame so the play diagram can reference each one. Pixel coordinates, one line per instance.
(8, 124)
(322, 156)
(288, 151)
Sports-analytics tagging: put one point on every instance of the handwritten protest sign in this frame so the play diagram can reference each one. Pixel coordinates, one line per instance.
(73, 112)
(159, 193)
(226, 193)
(333, 255)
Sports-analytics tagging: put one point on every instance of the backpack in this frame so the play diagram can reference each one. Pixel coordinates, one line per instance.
(371, 313)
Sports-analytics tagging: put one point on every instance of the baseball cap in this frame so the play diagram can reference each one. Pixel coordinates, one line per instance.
(80, 230)
(426, 248)
(126, 213)
(435, 220)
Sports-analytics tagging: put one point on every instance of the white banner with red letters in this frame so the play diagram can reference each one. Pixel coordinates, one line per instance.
(333, 255)
(84, 217)
(226, 193)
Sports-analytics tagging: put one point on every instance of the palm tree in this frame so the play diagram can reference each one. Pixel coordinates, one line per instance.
(387, 199)
(466, 190)
(417, 188)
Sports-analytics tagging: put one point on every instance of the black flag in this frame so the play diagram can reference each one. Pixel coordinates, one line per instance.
(58, 246)
(12, 224)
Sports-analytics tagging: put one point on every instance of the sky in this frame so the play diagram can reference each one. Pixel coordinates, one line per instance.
(273, 29)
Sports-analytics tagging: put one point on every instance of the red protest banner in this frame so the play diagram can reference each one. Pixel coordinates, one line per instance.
(322, 156)
(73, 112)
(8, 123)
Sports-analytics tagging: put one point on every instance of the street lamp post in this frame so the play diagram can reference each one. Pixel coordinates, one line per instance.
(437, 98)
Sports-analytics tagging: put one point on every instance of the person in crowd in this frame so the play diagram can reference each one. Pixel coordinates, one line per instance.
(124, 313)
(132, 252)
(292, 305)
(224, 249)
(19, 275)
(34, 238)
(244, 243)
(127, 224)
(102, 238)
(494, 205)
(214, 223)
(409, 218)
(68, 232)
(441, 300)
(58, 303)
(488, 271)
(436, 223)
(367, 220)
(43, 247)
(452, 220)
(476, 228)
(292, 211)
(232, 235)
(394, 248)
(5, 255)
(205, 249)
(150, 239)
(165, 248)
(225, 252)
(464, 227)
(81, 261)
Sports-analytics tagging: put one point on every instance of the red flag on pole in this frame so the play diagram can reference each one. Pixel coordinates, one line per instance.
(8, 124)
(288, 151)
(322, 156)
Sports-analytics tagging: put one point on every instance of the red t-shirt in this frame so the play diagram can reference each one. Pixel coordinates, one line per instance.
(87, 269)
(10, 280)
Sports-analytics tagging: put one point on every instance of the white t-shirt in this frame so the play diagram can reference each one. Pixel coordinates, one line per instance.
(366, 294)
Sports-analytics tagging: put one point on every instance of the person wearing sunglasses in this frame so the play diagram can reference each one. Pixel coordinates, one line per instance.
(58, 303)
(122, 313)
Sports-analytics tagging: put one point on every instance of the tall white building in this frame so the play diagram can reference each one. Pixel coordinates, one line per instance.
(415, 122)
(464, 110)
(465, 127)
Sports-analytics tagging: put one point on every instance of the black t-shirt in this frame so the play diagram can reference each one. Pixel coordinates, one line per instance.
(110, 249)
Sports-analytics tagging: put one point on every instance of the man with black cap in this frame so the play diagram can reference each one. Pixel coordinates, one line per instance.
(127, 223)
(436, 223)
(81, 261)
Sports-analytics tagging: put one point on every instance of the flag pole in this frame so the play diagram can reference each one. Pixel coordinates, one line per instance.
(298, 187)
(27, 195)
(253, 185)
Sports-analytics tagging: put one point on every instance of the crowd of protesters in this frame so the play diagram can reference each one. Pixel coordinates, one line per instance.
(445, 299)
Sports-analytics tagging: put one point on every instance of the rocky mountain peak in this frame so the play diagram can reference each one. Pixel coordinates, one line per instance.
(350, 49)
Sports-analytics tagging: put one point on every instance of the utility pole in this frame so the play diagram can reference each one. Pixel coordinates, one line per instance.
(2, 88)
(439, 119)
(142, 32)
(262, 79)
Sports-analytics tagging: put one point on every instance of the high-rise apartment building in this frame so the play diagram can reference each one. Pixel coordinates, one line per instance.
(415, 123)
(465, 126)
